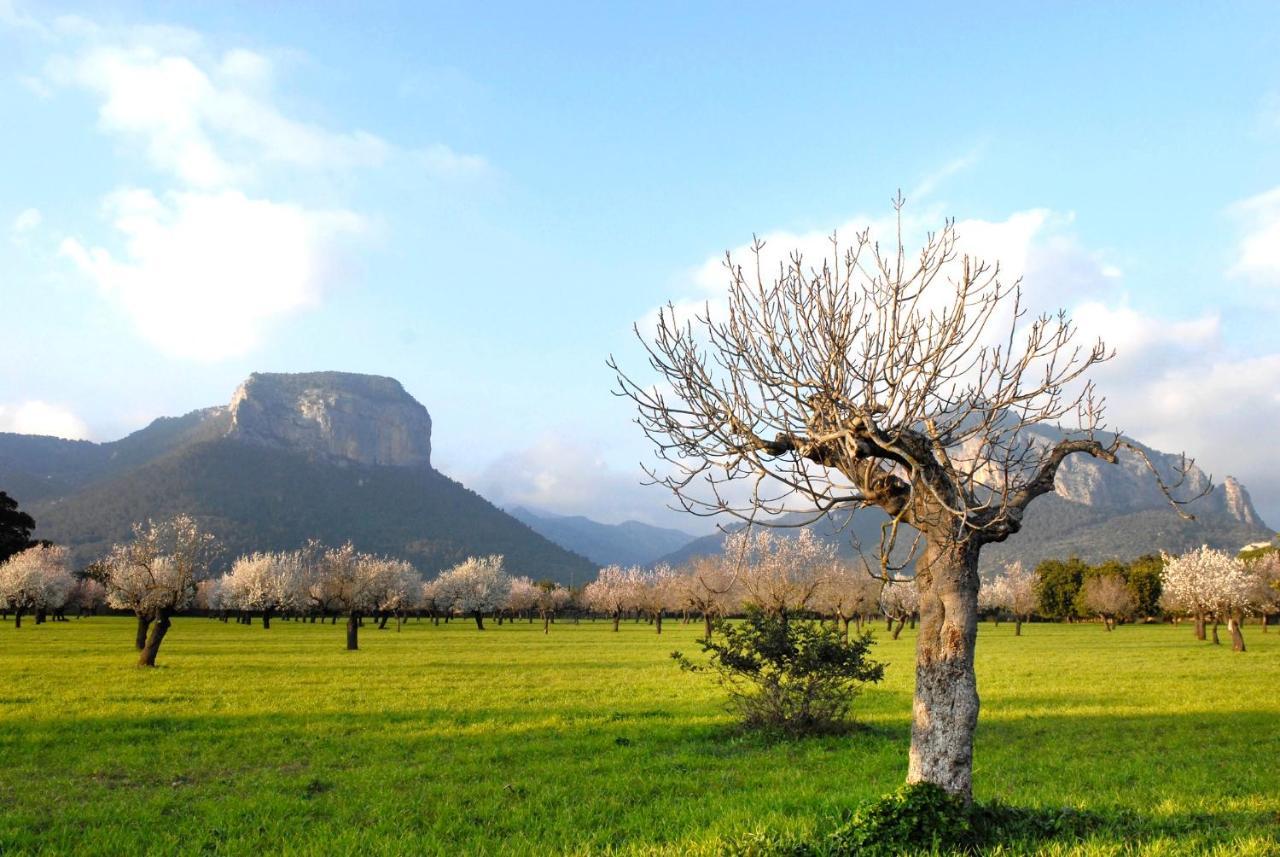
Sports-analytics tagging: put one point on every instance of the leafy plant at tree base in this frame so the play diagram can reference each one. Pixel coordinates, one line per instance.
(922, 818)
(796, 677)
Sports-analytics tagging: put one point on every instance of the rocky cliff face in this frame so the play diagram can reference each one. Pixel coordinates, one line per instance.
(1128, 486)
(338, 416)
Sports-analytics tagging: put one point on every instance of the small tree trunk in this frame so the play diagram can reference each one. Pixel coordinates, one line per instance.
(152, 648)
(844, 626)
(706, 625)
(1017, 626)
(17, 618)
(617, 617)
(1200, 627)
(353, 631)
(140, 639)
(382, 623)
(657, 620)
(41, 616)
(1216, 641)
(479, 617)
(1237, 638)
(898, 628)
(266, 619)
(946, 693)
(546, 623)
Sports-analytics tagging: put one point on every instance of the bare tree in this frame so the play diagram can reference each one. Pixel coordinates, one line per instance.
(1014, 590)
(1109, 597)
(872, 379)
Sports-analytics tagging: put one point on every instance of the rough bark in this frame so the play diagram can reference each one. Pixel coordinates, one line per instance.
(140, 639)
(945, 709)
(353, 631)
(617, 617)
(147, 658)
(706, 627)
(479, 617)
(1237, 638)
(1200, 635)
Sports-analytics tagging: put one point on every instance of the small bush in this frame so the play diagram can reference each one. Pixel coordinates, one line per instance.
(915, 819)
(924, 819)
(797, 677)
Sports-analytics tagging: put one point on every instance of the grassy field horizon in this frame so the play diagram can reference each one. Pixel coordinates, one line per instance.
(449, 740)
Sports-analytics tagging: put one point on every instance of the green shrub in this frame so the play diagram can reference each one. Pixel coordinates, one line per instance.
(794, 676)
(915, 819)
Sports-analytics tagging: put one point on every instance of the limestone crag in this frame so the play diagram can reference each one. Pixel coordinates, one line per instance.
(339, 416)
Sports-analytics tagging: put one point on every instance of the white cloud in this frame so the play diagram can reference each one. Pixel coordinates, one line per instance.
(1259, 251)
(37, 417)
(211, 123)
(572, 477)
(202, 274)
(204, 260)
(26, 221)
(211, 120)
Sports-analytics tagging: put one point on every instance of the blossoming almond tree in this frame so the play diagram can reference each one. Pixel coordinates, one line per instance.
(612, 592)
(779, 574)
(35, 580)
(155, 575)
(267, 583)
(1014, 590)
(1209, 585)
(879, 377)
(476, 587)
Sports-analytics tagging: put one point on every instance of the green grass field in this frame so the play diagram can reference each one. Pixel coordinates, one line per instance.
(448, 740)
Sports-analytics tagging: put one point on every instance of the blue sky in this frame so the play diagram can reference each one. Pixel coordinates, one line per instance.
(481, 203)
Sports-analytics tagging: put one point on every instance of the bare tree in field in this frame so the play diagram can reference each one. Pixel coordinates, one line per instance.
(1109, 597)
(1014, 590)
(710, 588)
(877, 378)
(899, 601)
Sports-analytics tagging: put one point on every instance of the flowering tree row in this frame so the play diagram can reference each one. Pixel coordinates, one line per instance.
(38, 582)
(764, 570)
(1207, 585)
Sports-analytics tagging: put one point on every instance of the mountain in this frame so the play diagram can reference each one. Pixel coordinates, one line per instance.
(326, 455)
(628, 543)
(1098, 511)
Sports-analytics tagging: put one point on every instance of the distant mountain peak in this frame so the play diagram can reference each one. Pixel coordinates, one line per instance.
(339, 416)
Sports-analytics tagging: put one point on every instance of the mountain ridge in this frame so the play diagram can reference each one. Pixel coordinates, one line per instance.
(291, 457)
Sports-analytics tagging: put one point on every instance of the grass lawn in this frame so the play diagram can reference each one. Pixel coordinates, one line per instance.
(448, 740)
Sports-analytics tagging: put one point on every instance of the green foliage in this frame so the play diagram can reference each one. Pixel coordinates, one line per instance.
(795, 676)
(1058, 586)
(1144, 584)
(915, 819)
(15, 528)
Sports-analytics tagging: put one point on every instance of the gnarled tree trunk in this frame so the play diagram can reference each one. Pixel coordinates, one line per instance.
(945, 709)
(140, 639)
(147, 658)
